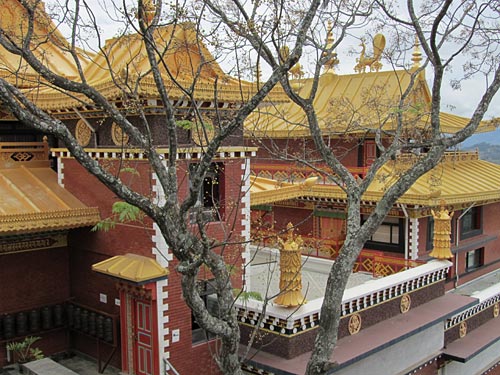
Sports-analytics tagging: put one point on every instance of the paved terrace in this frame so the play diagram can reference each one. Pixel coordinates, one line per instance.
(263, 274)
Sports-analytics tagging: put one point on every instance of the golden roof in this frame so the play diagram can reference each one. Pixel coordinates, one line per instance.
(33, 201)
(353, 103)
(132, 267)
(48, 45)
(461, 178)
(122, 62)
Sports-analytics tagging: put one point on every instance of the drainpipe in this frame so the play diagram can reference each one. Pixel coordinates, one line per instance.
(457, 236)
(403, 207)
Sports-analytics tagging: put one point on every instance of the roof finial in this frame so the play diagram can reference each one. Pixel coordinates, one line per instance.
(333, 60)
(149, 10)
(258, 72)
(417, 55)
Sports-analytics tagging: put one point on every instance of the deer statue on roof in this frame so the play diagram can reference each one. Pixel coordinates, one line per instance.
(373, 62)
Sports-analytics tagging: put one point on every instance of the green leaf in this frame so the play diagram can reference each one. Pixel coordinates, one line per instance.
(126, 212)
(130, 170)
(104, 225)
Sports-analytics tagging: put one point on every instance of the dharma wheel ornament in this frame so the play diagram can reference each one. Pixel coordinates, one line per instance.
(442, 232)
(290, 271)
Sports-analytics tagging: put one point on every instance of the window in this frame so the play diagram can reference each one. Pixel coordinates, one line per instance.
(389, 236)
(470, 223)
(207, 293)
(210, 193)
(430, 233)
(474, 259)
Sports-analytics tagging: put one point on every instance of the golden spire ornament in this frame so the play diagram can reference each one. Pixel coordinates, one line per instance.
(290, 271)
(417, 55)
(442, 234)
(333, 60)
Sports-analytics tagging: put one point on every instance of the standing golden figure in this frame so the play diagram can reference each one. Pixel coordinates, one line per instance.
(290, 270)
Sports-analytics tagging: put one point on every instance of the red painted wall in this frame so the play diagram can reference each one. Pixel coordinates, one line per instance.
(90, 248)
(31, 280)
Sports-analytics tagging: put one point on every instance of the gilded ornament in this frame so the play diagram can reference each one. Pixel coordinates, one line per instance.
(405, 303)
(496, 310)
(354, 324)
(83, 133)
(442, 232)
(120, 138)
(462, 329)
(290, 270)
(372, 62)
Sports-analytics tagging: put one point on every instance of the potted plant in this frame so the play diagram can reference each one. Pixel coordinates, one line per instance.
(23, 352)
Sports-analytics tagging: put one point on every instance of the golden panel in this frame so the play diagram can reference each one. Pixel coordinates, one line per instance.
(462, 329)
(405, 303)
(120, 138)
(496, 310)
(82, 133)
(354, 324)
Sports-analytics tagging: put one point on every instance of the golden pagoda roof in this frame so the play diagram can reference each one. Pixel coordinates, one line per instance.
(353, 103)
(33, 201)
(460, 179)
(48, 45)
(123, 62)
(132, 267)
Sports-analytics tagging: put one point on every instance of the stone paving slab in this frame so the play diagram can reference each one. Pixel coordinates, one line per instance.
(46, 366)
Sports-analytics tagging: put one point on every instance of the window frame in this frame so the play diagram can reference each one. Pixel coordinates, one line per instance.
(393, 247)
(210, 203)
(477, 256)
(476, 224)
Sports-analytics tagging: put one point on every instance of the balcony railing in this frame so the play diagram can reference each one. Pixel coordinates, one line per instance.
(279, 319)
(378, 263)
(24, 151)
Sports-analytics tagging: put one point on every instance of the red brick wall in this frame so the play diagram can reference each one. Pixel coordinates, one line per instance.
(90, 248)
(301, 217)
(33, 279)
(491, 227)
(345, 150)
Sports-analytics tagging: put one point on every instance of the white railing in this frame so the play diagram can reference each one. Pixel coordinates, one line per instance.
(293, 320)
(487, 298)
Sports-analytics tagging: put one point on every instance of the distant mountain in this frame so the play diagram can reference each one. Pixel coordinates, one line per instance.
(493, 138)
(487, 151)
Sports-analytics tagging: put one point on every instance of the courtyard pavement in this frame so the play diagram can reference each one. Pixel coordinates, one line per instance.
(80, 364)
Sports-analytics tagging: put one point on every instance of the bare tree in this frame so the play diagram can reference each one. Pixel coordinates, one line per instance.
(262, 29)
(194, 250)
(447, 31)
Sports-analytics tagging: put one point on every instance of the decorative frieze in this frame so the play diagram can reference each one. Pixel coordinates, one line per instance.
(190, 153)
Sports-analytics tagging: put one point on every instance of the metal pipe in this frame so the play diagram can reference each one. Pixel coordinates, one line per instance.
(403, 207)
(168, 366)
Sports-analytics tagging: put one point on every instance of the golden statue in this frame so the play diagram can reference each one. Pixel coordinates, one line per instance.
(442, 232)
(373, 62)
(290, 271)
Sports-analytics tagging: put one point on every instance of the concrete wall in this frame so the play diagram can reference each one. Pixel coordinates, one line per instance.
(404, 354)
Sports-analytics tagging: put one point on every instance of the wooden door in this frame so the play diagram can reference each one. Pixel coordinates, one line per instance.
(143, 358)
(370, 153)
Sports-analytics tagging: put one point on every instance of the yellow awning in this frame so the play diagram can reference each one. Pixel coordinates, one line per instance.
(461, 178)
(31, 200)
(132, 267)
